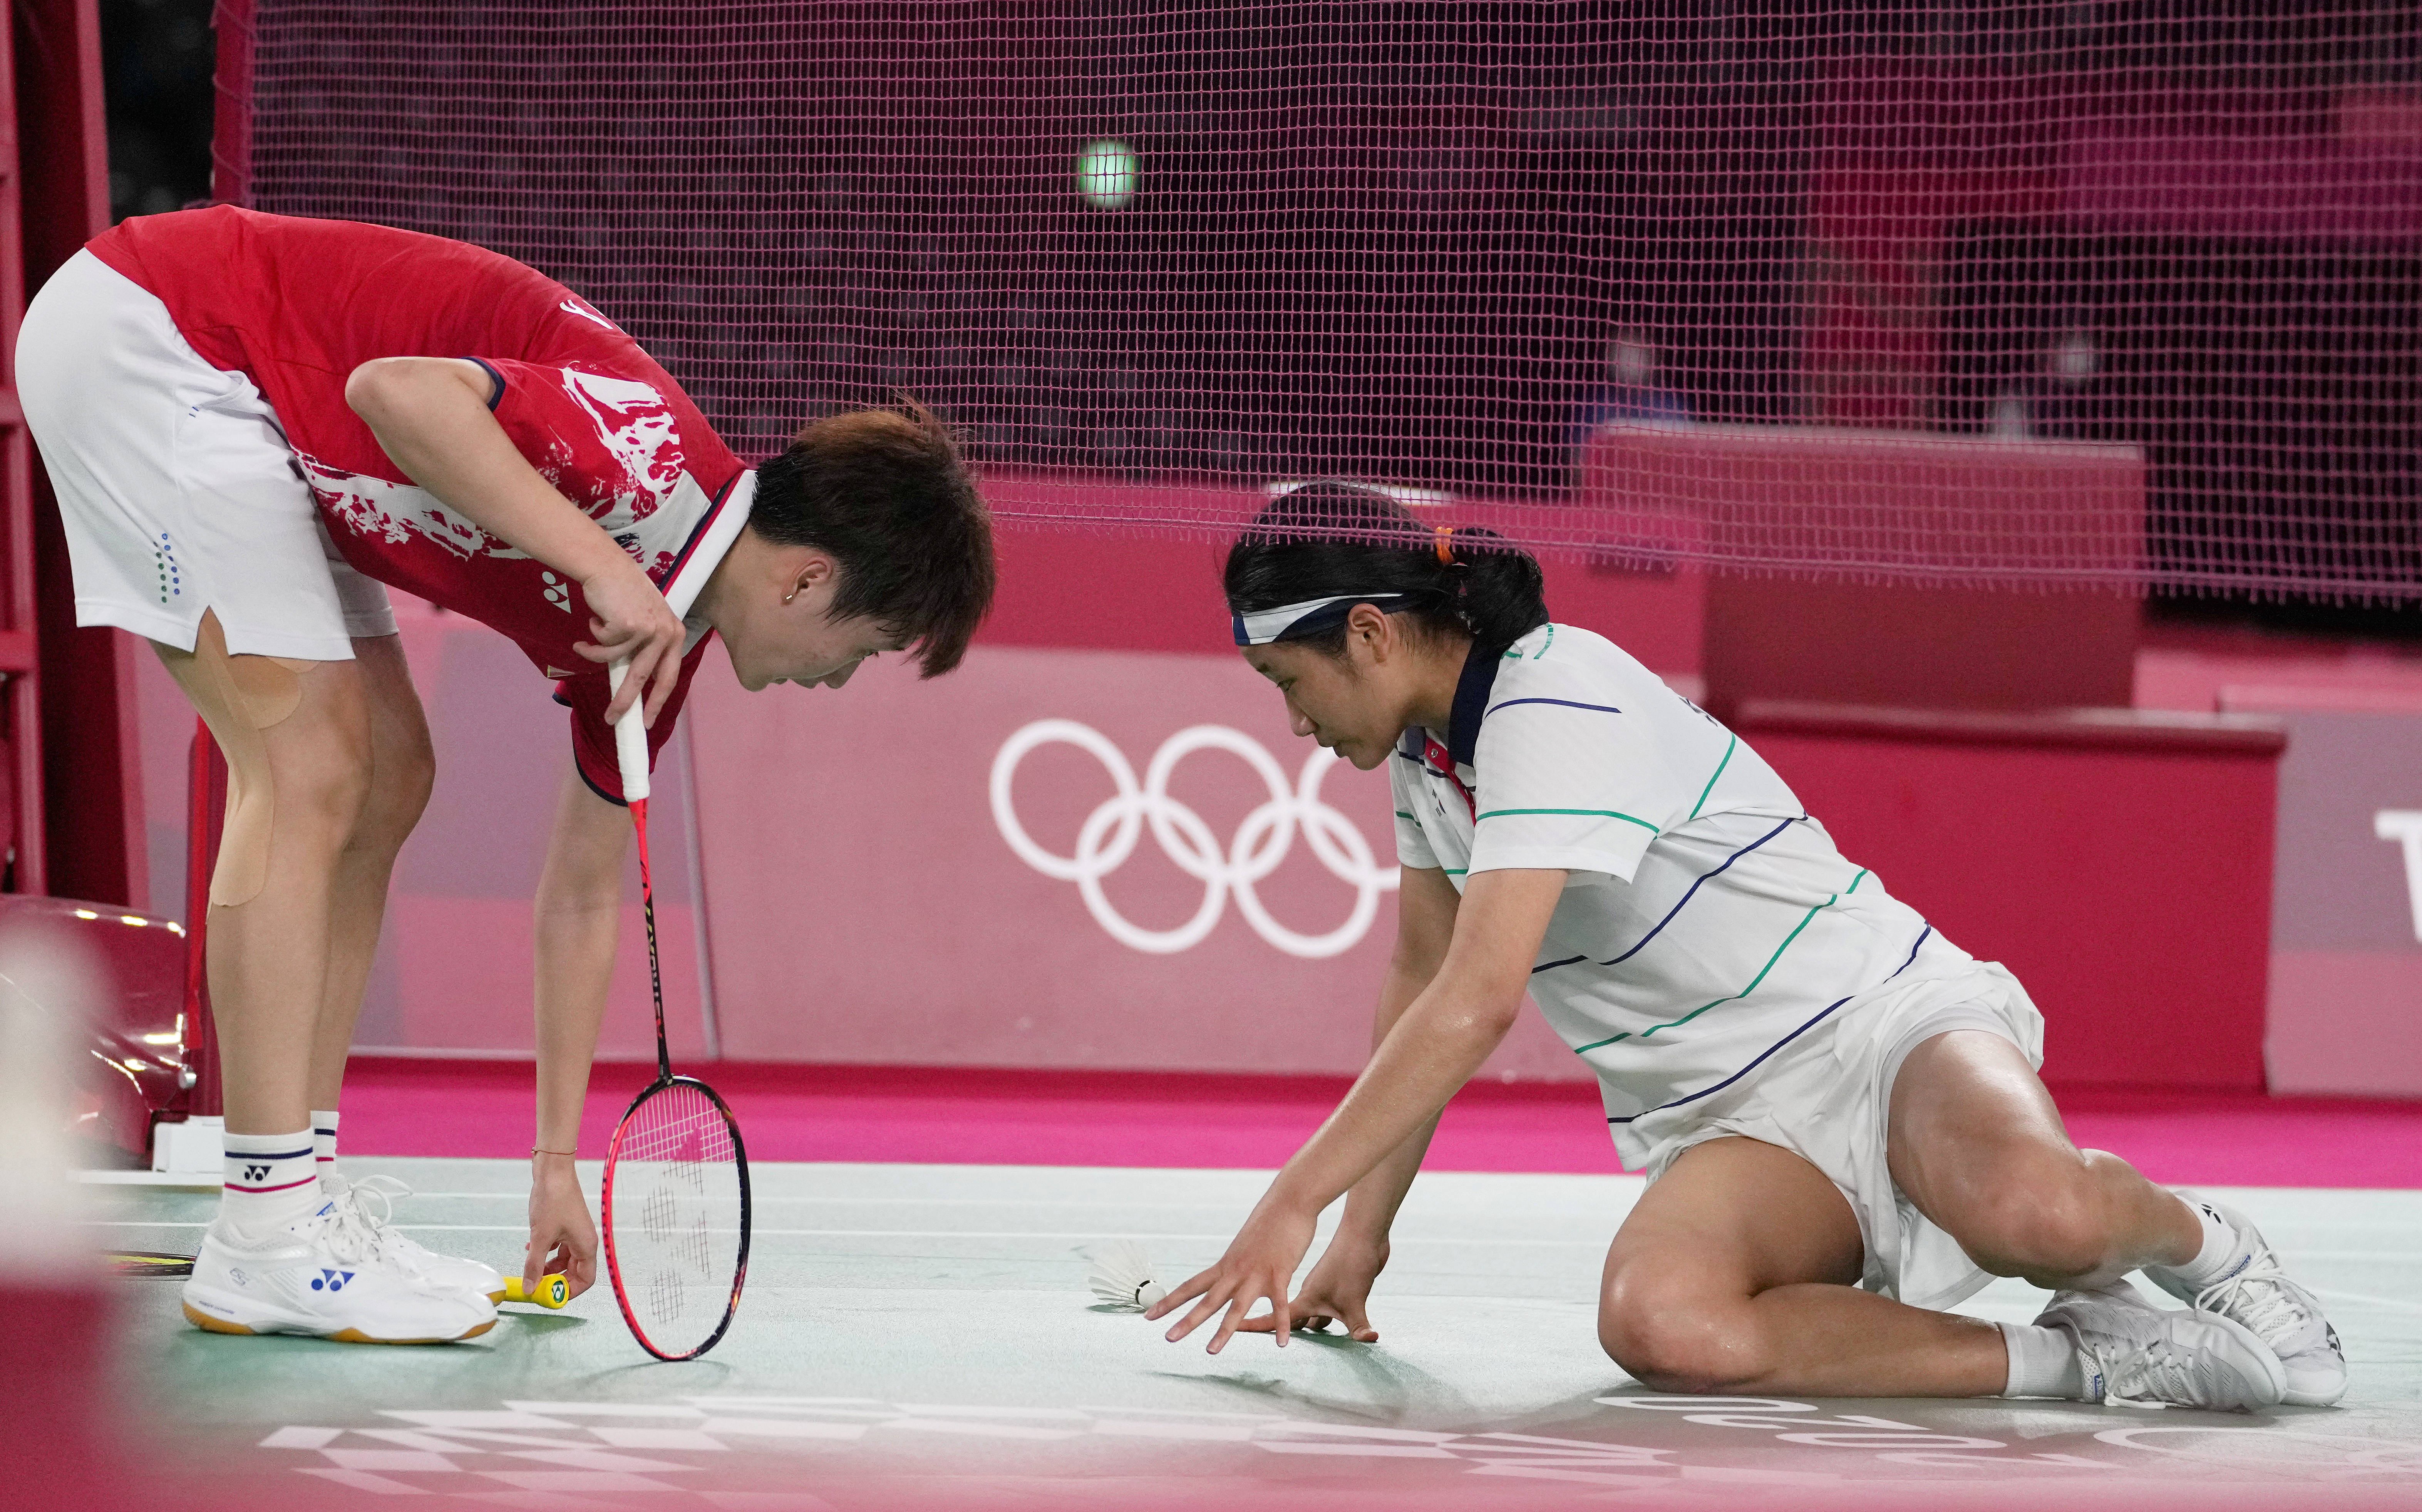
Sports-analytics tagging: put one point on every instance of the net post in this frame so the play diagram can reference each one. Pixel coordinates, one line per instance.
(231, 124)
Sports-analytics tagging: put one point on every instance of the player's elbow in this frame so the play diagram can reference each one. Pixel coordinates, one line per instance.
(386, 389)
(373, 389)
(1489, 1016)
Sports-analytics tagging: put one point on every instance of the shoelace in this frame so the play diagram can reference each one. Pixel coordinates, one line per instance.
(2255, 1298)
(348, 1240)
(2118, 1394)
(353, 1214)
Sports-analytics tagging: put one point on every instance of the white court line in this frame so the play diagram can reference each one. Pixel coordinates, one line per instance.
(2369, 1302)
(895, 1202)
(1084, 1238)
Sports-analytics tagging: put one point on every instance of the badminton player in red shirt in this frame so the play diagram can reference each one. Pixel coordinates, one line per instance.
(255, 424)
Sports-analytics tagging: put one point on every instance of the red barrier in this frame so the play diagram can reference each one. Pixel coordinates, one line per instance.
(2117, 861)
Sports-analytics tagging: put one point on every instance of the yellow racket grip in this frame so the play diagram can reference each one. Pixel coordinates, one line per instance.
(553, 1291)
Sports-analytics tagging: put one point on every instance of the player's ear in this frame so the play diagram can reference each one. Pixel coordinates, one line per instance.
(811, 570)
(1369, 635)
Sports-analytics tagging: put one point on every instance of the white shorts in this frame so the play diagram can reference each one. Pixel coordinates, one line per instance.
(1830, 1104)
(175, 482)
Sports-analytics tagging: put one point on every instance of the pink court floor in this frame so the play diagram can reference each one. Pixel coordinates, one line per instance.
(927, 1115)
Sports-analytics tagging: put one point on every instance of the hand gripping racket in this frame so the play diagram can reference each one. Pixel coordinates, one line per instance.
(676, 1174)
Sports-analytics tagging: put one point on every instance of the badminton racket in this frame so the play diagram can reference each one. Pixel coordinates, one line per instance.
(676, 1202)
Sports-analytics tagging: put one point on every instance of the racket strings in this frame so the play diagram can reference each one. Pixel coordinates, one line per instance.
(676, 1215)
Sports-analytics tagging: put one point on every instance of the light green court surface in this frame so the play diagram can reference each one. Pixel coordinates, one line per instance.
(921, 1336)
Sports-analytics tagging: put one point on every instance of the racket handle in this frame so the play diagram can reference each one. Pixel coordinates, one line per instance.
(630, 736)
(553, 1291)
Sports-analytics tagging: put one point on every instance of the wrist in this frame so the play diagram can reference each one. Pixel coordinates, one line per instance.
(611, 563)
(1360, 1235)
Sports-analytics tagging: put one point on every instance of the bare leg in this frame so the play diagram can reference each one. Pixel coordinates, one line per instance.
(1734, 1276)
(303, 739)
(402, 767)
(1976, 1143)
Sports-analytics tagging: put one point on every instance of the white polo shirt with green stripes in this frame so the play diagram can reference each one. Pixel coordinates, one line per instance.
(1707, 923)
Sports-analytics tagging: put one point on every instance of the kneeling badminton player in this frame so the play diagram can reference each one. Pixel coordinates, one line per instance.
(255, 425)
(1837, 1108)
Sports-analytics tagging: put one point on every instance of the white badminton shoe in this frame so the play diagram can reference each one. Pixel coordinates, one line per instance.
(324, 1276)
(370, 1204)
(2135, 1354)
(2254, 1290)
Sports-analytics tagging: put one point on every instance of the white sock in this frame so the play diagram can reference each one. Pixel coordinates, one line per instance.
(2220, 1243)
(323, 1138)
(2043, 1362)
(272, 1180)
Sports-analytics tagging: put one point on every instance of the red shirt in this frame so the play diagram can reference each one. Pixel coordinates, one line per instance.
(297, 305)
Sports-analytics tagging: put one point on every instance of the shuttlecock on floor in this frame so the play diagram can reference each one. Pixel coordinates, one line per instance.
(1122, 1275)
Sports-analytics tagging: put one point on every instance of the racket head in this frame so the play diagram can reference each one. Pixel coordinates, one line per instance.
(676, 1215)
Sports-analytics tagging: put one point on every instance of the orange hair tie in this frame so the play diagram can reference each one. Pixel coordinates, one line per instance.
(1445, 544)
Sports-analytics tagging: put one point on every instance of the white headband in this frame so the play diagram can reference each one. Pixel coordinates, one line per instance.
(1294, 621)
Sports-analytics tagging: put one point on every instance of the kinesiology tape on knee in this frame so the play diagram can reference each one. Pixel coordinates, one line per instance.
(239, 698)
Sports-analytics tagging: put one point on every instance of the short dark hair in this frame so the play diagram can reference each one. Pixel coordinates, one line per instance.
(1330, 538)
(886, 493)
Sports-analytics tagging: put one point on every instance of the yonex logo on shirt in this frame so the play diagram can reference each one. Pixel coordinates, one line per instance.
(571, 307)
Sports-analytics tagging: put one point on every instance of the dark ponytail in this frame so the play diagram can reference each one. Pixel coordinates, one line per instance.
(1325, 539)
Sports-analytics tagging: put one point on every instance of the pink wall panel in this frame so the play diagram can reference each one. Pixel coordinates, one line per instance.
(2345, 963)
(866, 907)
(1142, 592)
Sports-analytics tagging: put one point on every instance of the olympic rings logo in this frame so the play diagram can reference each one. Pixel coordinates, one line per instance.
(1111, 832)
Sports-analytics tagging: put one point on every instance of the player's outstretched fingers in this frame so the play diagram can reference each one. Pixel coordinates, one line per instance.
(1213, 1299)
(1186, 1291)
(1241, 1301)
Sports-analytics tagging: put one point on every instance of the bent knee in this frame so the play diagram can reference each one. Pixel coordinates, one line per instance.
(402, 775)
(1679, 1340)
(2046, 1220)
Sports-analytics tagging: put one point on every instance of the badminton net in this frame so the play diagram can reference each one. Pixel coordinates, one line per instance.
(1993, 292)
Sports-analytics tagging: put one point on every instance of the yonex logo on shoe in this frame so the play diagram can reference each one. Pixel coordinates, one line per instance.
(255, 1173)
(332, 1280)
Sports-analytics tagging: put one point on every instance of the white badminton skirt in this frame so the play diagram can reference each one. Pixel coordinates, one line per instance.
(1828, 1103)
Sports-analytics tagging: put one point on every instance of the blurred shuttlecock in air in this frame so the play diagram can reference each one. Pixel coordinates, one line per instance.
(1122, 1275)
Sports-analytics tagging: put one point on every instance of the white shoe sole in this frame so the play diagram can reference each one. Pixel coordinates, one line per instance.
(217, 1313)
(2329, 1398)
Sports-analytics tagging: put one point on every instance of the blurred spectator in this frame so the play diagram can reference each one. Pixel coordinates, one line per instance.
(1629, 394)
(156, 61)
(2058, 401)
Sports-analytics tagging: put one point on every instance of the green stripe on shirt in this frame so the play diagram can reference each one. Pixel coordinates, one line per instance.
(1582, 1049)
(1711, 779)
(1596, 814)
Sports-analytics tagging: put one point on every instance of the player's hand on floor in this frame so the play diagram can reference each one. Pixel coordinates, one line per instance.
(562, 1238)
(1259, 1267)
(1337, 1290)
(628, 617)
